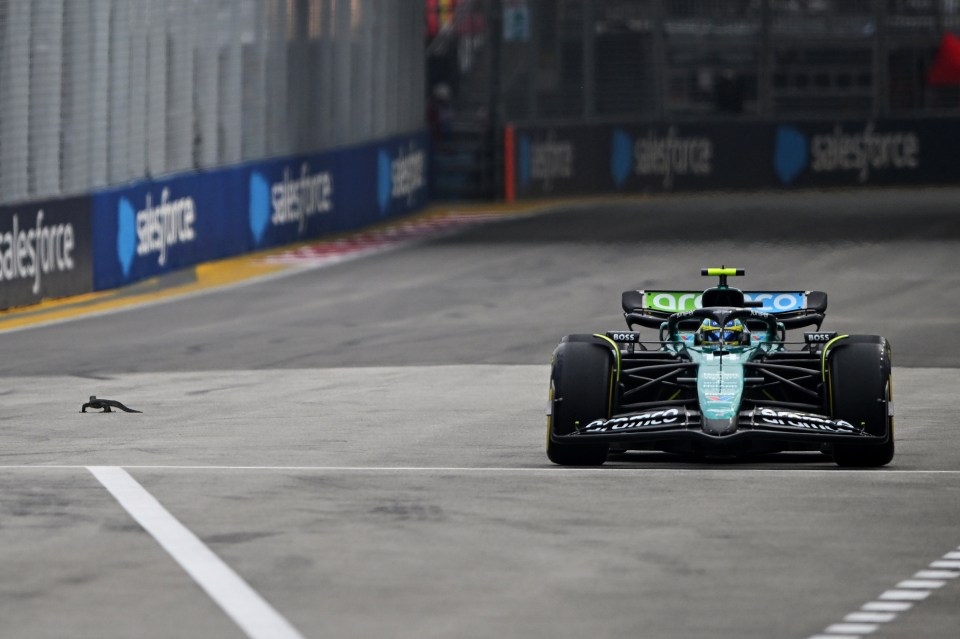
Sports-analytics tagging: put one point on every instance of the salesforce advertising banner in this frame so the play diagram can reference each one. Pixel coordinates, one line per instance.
(294, 199)
(153, 227)
(45, 251)
(157, 226)
(557, 161)
(852, 153)
(638, 158)
(632, 158)
(686, 157)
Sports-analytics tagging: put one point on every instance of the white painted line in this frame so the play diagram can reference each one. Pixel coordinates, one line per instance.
(937, 574)
(888, 606)
(905, 595)
(870, 617)
(927, 584)
(834, 637)
(237, 599)
(899, 599)
(852, 628)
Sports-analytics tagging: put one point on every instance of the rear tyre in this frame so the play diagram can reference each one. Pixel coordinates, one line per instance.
(580, 392)
(861, 387)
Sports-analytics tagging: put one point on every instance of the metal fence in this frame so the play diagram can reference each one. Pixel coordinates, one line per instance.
(591, 60)
(101, 92)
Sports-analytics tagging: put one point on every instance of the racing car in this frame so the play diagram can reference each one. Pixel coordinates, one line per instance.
(721, 379)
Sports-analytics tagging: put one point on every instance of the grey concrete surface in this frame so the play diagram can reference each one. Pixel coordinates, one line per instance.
(364, 444)
(432, 511)
(506, 292)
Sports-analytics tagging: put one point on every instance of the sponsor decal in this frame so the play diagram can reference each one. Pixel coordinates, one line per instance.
(291, 201)
(843, 151)
(33, 250)
(673, 302)
(545, 160)
(651, 419)
(803, 420)
(624, 336)
(720, 398)
(401, 177)
(777, 302)
(719, 411)
(154, 229)
(819, 337)
(680, 301)
(672, 155)
(722, 383)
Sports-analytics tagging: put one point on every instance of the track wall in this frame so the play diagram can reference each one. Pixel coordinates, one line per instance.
(154, 226)
(635, 158)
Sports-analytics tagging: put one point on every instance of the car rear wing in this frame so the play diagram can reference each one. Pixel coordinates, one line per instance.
(794, 309)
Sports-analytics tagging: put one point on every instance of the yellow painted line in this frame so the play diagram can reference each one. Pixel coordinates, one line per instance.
(213, 275)
(207, 276)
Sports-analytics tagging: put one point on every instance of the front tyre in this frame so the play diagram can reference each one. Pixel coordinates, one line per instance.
(580, 392)
(861, 388)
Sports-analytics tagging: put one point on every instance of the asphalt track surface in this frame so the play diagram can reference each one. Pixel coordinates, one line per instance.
(361, 446)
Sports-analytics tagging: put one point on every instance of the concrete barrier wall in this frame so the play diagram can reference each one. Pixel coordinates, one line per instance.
(120, 235)
(155, 226)
(634, 158)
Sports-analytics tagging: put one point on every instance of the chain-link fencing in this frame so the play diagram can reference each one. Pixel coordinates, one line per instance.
(591, 60)
(95, 93)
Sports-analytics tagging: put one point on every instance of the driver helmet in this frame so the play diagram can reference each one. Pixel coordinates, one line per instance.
(731, 333)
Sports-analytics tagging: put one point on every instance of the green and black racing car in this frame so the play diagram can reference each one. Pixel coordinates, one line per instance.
(722, 379)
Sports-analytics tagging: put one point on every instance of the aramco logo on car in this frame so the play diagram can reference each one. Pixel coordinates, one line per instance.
(678, 301)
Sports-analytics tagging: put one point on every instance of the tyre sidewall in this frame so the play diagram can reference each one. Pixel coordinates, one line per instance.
(581, 383)
(581, 380)
(858, 370)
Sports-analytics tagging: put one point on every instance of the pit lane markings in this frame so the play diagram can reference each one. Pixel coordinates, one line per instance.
(900, 598)
(236, 598)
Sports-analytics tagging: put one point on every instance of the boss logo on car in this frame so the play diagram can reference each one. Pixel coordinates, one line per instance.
(624, 337)
(819, 338)
(633, 422)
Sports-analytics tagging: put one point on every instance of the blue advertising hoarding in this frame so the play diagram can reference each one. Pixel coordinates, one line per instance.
(155, 226)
